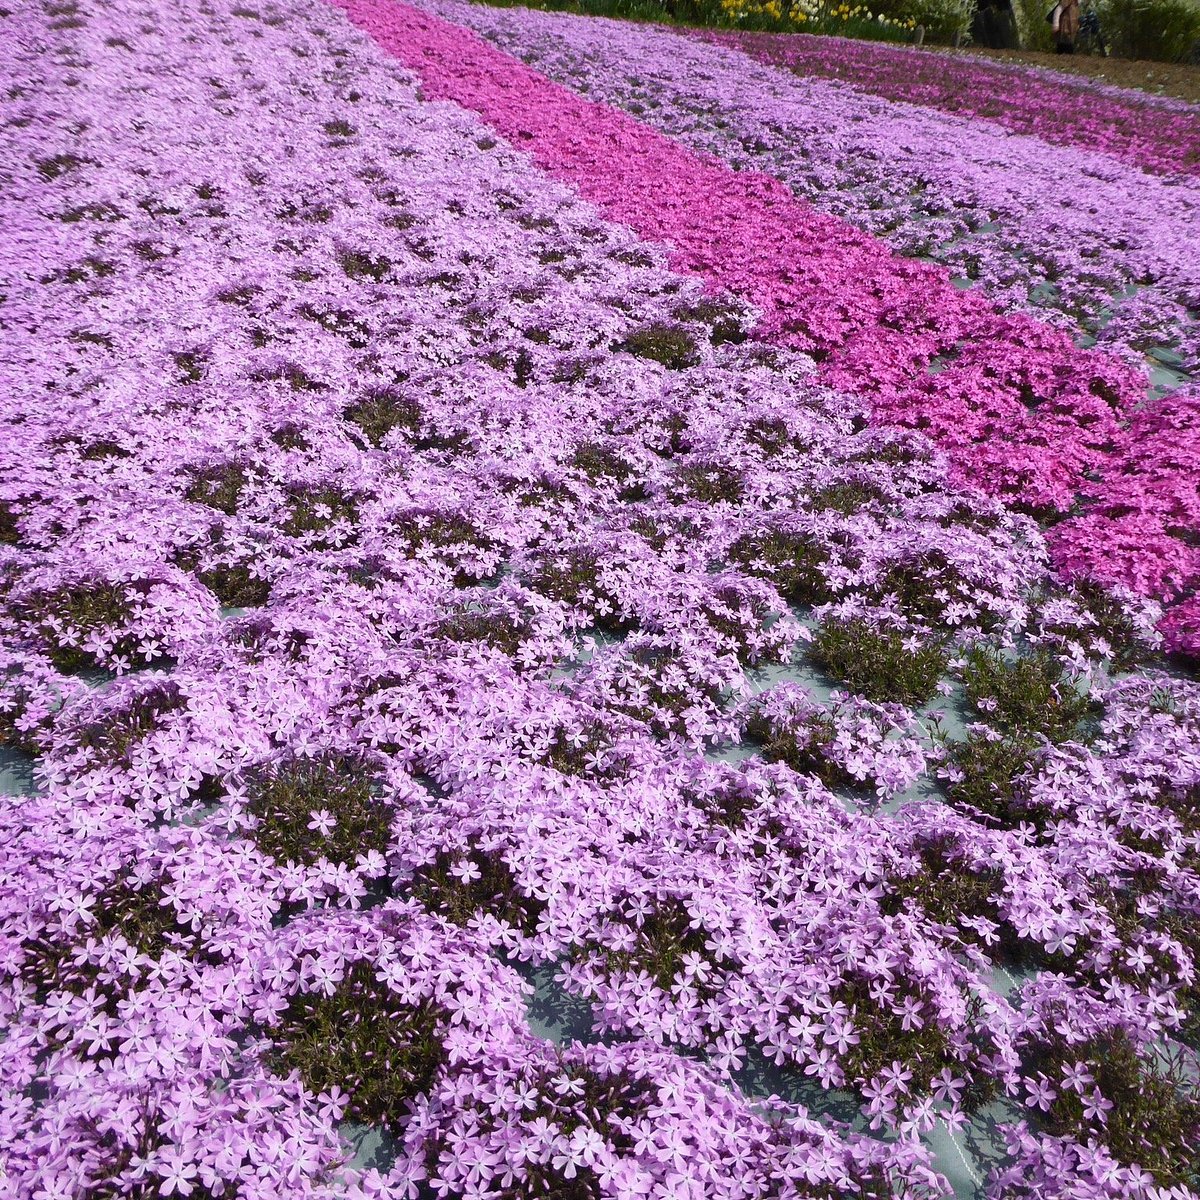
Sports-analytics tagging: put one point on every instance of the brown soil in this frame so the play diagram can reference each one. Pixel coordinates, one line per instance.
(1161, 79)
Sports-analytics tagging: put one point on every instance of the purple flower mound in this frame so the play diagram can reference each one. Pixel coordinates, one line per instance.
(474, 724)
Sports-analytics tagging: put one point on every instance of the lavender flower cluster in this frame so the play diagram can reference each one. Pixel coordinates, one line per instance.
(401, 572)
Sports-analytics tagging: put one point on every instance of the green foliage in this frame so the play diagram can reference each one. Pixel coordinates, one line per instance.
(289, 437)
(951, 892)
(1162, 30)
(315, 509)
(671, 345)
(990, 771)
(1036, 31)
(585, 753)
(1112, 626)
(803, 745)
(483, 884)
(1155, 1118)
(573, 579)
(1025, 696)
(846, 498)
(925, 1051)
(879, 663)
(360, 265)
(218, 487)
(663, 938)
(235, 585)
(710, 483)
(771, 435)
(364, 1040)
(336, 321)
(793, 562)
(58, 164)
(492, 627)
(85, 607)
(598, 461)
(722, 609)
(10, 531)
(139, 913)
(724, 322)
(923, 588)
(285, 799)
(113, 736)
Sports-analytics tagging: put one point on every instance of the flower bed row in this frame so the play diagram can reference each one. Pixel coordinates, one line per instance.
(435, 542)
(1158, 135)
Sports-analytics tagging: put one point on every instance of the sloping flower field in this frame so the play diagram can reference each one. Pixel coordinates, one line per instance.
(589, 613)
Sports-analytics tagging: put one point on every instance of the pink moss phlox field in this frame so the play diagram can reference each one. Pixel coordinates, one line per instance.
(1071, 236)
(1160, 136)
(1024, 412)
(419, 777)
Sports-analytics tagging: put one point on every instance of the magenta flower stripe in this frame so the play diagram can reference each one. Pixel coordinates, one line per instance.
(1021, 409)
(1159, 136)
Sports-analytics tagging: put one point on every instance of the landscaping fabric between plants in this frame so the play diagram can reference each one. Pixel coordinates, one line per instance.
(432, 623)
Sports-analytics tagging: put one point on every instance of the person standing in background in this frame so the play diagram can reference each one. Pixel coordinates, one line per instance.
(1066, 26)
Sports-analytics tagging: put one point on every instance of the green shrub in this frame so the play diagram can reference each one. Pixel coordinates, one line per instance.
(880, 664)
(362, 1038)
(323, 808)
(1027, 696)
(1163, 30)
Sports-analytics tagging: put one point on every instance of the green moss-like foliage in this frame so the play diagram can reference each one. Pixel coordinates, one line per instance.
(1155, 1118)
(235, 586)
(139, 913)
(315, 509)
(795, 563)
(846, 498)
(671, 345)
(10, 531)
(364, 1040)
(574, 577)
(285, 799)
(991, 770)
(381, 411)
(803, 745)
(883, 1040)
(877, 663)
(1112, 625)
(664, 937)
(710, 483)
(218, 487)
(484, 884)
(113, 737)
(578, 753)
(724, 322)
(360, 265)
(496, 629)
(86, 607)
(924, 587)
(1029, 695)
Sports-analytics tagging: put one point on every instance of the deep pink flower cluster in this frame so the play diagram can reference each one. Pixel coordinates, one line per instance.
(1155, 133)
(410, 739)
